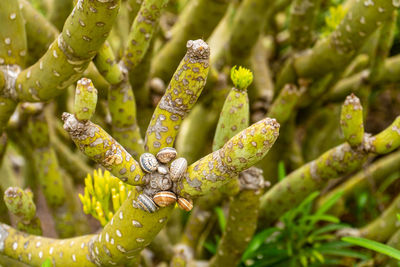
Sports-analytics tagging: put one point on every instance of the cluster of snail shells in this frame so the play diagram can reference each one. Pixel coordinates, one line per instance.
(160, 178)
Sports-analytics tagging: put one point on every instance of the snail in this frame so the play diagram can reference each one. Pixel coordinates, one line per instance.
(166, 154)
(146, 203)
(162, 169)
(164, 198)
(177, 169)
(148, 162)
(185, 204)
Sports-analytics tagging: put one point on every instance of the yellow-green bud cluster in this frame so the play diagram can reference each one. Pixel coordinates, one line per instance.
(336, 14)
(103, 195)
(241, 77)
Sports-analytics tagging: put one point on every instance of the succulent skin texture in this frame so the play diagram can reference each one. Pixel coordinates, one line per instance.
(117, 55)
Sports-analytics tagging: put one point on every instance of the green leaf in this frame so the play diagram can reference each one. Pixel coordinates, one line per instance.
(47, 263)
(373, 245)
(221, 218)
(211, 247)
(329, 228)
(321, 217)
(329, 203)
(257, 241)
(343, 253)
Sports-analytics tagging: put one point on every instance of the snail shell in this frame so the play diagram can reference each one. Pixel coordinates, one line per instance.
(185, 204)
(177, 169)
(162, 169)
(148, 162)
(146, 203)
(166, 154)
(164, 198)
(165, 184)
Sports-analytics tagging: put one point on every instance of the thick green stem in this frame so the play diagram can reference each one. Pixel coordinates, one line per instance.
(182, 93)
(99, 146)
(242, 220)
(234, 117)
(40, 33)
(335, 51)
(247, 25)
(351, 120)
(70, 161)
(311, 177)
(59, 12)
(284, 105)
(192, 24)
(239, 153)
(83, 34)
(142, 31)
(121, 102)
(302, 23)
(20, 203)
(375, 173)
(383, 227)
(385, 41)
(390, 74)
(387, 140)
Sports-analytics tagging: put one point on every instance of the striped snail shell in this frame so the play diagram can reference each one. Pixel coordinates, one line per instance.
(164, 198)
(166, 154)
(148, 162)
(146, 203)
(185, 204)
(177, 169)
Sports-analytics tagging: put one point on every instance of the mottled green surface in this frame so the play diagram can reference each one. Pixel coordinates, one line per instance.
(40, 33)
(383, 227)
(241, 152)
(376, 172)
(234, 117)
(99, 146)
(70, 54)
(285, 103)
(387, 140)
(182, 93)
(85, 100)
(336, 50)
(142, 31)
(106, 64)
(313, 176)
(20, 203)
(351, 120)
(192, 24)
(303, 15)
(13, 47)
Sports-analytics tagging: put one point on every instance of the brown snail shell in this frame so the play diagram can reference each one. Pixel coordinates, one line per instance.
(185, 204)
(164, 198)
(146, 203)
(166, 154)
(148, 162)
(177, 169)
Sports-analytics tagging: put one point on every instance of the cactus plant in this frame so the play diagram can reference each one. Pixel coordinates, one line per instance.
(108, 124)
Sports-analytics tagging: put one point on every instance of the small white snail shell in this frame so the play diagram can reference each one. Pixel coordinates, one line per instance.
(164, 184)
(146, 203)
(148, 162)
(166, 154)
(177, 169)
(164, 198)
(162, 169)
(185, 204)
